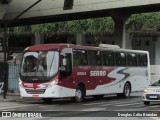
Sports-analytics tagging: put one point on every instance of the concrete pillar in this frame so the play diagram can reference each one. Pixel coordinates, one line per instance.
(155, 68)
(80, 39)
(39, 39)
(119, 34)
(128, 40)
(157, 50)
(119, 29)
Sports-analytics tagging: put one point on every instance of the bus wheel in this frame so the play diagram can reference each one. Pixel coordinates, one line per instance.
(146, 102)
(98, 97)
(79, 95)
(126, 90)
(47, 100)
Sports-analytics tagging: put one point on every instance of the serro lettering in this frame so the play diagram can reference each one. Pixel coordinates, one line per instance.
(97, 73)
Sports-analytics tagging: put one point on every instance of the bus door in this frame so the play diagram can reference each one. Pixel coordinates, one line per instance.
(66, 71)
(80, 66)
(94, 59)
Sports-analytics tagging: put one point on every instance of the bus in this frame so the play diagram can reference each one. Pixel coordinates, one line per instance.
(51, 71)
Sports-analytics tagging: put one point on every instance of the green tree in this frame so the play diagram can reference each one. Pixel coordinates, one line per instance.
(97, 26)
(48, 28)
(144, 21)
(100, 26)
(76, 26)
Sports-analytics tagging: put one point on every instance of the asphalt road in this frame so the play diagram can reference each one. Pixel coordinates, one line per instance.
(108, 108)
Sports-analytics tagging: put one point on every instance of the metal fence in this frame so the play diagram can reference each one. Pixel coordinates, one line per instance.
(13, 77)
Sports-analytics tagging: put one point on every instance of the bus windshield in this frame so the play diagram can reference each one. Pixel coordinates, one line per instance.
(41, 63)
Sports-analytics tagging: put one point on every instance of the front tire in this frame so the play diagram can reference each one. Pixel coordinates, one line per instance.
(79, 95)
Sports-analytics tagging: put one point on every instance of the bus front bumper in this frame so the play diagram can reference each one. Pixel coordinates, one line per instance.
(52, 92)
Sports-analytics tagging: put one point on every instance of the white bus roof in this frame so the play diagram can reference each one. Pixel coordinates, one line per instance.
(108, 46)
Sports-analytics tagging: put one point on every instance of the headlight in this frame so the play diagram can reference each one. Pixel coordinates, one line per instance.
(145, 90)
(20, 84)
(55, 82)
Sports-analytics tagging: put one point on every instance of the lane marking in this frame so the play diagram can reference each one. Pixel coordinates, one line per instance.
(94, 109)
(120, 103)
(108, 103)
(127, 104)
(16, 106)
(46, 106)
(8, 110)
(138, 106)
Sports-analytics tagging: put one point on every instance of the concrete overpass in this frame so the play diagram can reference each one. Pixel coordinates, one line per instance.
(54, 11)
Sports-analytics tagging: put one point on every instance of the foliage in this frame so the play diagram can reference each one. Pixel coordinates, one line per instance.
(96, 26)
(145, 21)
(20, 30)
(100, 25)
(49, 28)
(76, 26)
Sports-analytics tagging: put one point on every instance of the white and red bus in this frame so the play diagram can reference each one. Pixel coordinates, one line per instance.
(65, 70)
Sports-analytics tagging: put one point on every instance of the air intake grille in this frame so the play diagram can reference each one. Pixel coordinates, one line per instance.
(35, 91)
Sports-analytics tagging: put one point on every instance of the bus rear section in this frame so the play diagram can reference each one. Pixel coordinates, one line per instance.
(64, 70)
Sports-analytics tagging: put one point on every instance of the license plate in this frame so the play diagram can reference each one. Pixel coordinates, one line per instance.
(35, 96)
(152, 96)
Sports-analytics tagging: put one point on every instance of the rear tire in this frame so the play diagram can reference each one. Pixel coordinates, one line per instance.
(126, 90)
(47, 100)
(146, 102)
(79, 95)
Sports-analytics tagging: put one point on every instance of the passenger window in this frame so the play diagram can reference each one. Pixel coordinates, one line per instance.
(142, 60)
(94, 57)
(79, 57)
(120, 59)
(131, 59)
(108, 58)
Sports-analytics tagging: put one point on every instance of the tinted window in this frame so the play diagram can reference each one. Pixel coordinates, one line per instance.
(131, 59)
(156, 83)
(108, 58)
(68, 67)
(142, 60)
(120, 59)
(94, 57)
(79, 57)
